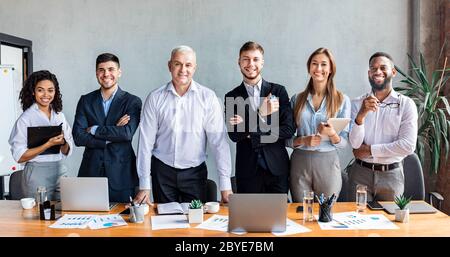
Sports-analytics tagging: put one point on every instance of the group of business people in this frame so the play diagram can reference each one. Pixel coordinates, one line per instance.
(182, 117)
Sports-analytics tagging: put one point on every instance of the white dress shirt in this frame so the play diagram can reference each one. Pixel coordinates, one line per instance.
(33, 117)
(176, 129)
(254, 92)
(390, 132)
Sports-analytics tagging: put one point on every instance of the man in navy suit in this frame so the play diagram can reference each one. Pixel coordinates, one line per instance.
(105, 122)
(259, 119)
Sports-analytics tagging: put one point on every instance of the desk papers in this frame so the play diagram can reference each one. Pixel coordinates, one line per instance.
(354, 220)
(292, 228)
(92, 221)
(216, 222)
(220, 223)
(107, 221)
(169, 222)
(73, 221)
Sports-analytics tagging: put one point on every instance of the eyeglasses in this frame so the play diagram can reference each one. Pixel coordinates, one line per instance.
(390, 105)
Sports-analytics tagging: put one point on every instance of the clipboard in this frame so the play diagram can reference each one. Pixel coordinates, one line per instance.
(37, 136)
(338, 124)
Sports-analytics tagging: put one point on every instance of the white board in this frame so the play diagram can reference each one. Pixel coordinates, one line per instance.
(9, 106)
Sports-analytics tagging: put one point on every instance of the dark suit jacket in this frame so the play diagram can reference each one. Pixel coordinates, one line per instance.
(118, 156)
(275, 154)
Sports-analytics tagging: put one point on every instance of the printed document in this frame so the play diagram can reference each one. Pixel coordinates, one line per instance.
(169, 222)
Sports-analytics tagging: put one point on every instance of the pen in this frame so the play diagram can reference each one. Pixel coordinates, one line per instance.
(330, 201)
(131, 201)
(142, 200)
(318, 200)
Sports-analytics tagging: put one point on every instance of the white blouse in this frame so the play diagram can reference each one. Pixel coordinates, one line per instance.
(33, 117)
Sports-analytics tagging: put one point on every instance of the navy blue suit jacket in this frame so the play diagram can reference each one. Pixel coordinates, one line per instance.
(118, 156)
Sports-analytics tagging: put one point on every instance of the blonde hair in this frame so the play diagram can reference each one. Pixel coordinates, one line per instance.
(334, 97)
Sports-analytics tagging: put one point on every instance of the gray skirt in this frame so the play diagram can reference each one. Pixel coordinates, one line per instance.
(46, 174)
(315, 171)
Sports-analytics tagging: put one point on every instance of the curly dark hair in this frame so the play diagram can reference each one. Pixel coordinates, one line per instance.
(27, 93)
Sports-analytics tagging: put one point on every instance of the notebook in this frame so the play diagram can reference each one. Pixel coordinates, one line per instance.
(173, 208)
(414, 207)
(37, 136)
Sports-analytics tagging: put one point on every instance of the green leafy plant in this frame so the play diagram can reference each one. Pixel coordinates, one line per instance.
(195, 204)
(433, 124)
(402, 201)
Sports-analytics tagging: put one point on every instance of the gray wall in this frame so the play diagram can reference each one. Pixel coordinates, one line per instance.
(68, 35)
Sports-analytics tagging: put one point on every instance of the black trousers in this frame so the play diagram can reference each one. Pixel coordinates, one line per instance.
(170, 184)
(263, 182)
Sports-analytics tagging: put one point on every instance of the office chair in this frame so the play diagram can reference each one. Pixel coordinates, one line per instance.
(414, 181)
(211, 191)
(15, 188)
(343, 195)
(233, 184)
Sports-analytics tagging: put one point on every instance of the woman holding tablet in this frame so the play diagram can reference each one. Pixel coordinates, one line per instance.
(42, 105)
(315, 162)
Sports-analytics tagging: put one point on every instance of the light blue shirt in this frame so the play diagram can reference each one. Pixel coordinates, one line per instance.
(311, 119)
(106, 105)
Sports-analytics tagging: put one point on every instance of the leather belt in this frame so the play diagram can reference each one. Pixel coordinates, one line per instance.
(377, 166)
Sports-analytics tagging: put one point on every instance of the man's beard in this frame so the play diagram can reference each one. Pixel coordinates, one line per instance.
(251, 78)
(380, 87)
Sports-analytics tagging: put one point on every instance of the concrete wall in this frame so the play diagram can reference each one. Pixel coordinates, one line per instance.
(68, 35)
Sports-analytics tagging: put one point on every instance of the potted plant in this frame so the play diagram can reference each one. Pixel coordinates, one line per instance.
(432, 107)
(195, 211)
(402, 213)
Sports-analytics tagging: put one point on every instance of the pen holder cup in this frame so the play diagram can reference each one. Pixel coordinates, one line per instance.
(137, 213)
(325, 213)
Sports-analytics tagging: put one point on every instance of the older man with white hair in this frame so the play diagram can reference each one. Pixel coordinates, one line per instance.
(178, 121)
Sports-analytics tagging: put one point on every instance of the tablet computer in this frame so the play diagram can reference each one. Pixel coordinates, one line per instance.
(338, 124)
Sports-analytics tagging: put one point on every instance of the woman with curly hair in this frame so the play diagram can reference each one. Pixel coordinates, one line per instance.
(42, 105)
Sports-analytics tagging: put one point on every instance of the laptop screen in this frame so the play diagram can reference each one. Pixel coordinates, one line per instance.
(257, 213)
(84, 194)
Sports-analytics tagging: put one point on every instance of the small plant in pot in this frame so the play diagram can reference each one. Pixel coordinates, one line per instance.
(402, 213)
(195, 211)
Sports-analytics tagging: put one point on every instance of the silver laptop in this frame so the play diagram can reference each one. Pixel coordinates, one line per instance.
(414, 207)
(257, 213)
(84, 194)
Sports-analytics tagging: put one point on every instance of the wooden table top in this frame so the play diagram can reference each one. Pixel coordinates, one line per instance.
(17, 222)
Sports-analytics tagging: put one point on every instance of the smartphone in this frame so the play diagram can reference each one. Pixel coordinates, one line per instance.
(374, 205)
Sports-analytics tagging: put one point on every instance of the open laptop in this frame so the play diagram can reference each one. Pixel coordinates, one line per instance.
(257, 213)
(84, 194)
(414, 207)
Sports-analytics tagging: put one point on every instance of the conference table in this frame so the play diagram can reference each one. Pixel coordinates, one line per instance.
(17, 222)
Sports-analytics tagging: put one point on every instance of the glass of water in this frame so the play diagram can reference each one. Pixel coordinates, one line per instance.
(308, 205)
(361, 197)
